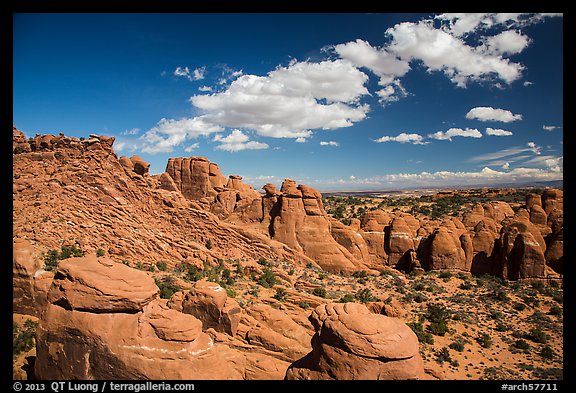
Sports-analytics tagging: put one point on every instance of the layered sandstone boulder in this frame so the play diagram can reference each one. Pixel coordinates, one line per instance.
(552, 199)
(105, 321)
(351, 343)
(30, 281)
(353, 241)
(449, 250)
(192, 176)
(555, 251)
(399, 241)
(523, 249)
(272, 329)
(209, 302)
(298, 220)
(486, 247)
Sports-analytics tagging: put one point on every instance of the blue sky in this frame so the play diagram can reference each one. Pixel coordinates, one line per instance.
(335, 101)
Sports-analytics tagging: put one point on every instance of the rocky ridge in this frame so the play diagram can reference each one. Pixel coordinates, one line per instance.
(78, 192)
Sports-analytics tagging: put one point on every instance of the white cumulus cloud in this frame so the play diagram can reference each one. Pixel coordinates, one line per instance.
(497, 132)
(453, 132)
(169, 133)
(329, 143)
(441, 51)
(290, 101)
(487, 113)
(403, 138)
(237, 141)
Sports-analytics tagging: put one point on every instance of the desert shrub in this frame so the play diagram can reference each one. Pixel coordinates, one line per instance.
(538, 336)
(419, 286)
(443, 355)
(268, 278)
(495, 314)
(167, 287)
(500, 295)
(226, 277)
(484, 340)
(319, 291)
(547, 353)
(70, 252)
(322, 276)
(555, 310)
(419, 298)
(521, 344)
(466, 285)
(304, 305)
(531, 301)
(445, 274)
(193, 273)
(162, 266)
(457, 346)
(346, 298)
(502, 327)
(291, 271)
(365, 295)
(209, 244)
(280, 294)
(519, 306)
(100, 252)
(360, 274)
(437, 313)
(53, 257)
(139, 266)
(23, 337)
(231, 292)
(418, 329)
(438, 328)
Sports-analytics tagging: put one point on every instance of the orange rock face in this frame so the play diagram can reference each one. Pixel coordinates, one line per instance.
(351, 343)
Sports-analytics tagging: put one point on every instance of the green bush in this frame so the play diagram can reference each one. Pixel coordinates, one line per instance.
(437, 313)
(268, 278)
(484, 340)
(100, 252)
(438, 328)
(555, 310)
(319, 291)
(466, 285)
(346, 298)
(231, 293)
(280, 294)
(360, 274)
(538, 336)
(457, 346)
(304, 305)
(521, 344)
(162, 266)
(418, 329)
(23, 337)
(167, 287)
(365, 295)
(547, 353)
(443, 355)
(52, 257)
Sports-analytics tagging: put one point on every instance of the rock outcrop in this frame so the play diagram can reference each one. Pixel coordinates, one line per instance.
(299, 221)
(351, 343)
(105, 321)
(30, 281)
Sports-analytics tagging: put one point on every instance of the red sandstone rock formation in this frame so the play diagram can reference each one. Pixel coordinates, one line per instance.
(351, 343)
